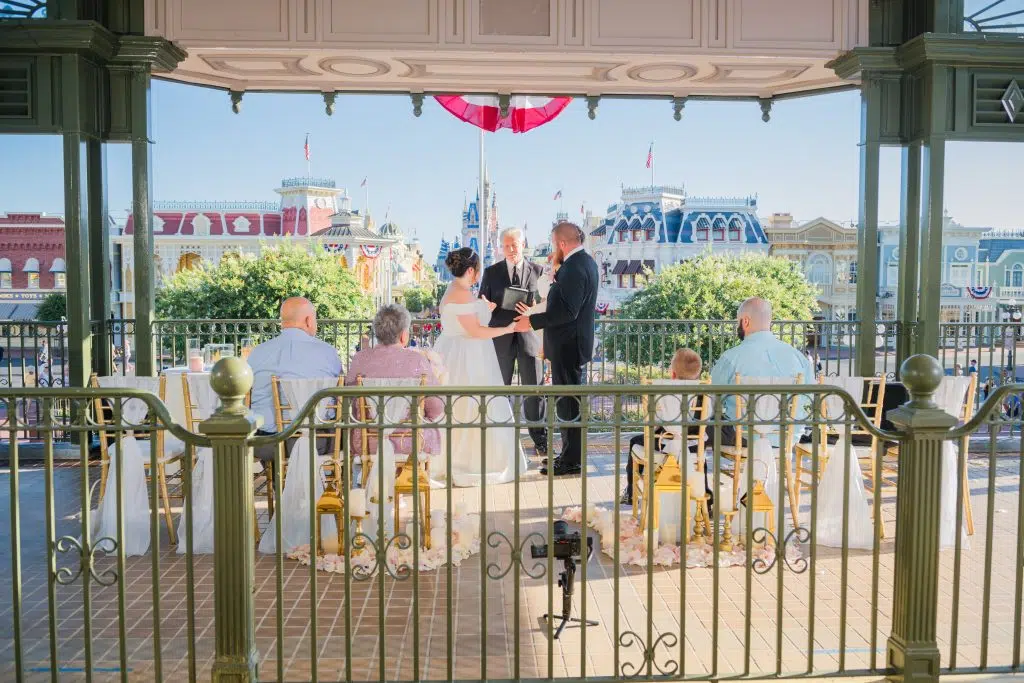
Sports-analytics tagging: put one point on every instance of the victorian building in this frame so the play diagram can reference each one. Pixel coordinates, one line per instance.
(652, 227)
(310, 210)
(31, 262)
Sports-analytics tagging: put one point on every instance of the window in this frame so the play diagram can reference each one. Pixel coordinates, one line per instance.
(33, 280)
(960, 274)
(1014, 277)
(60, 281)
(703, 225)
(636, 235)
(622, 235)
(719, 229)
(650, 234)
(5, 280)
(736, 230)
(819, 270)
(892, 275)
(853, 272)
(622, 281)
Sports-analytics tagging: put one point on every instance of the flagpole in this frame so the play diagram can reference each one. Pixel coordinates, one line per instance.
(309, 174)
(481, 206)
(366, 198)
(652, 166)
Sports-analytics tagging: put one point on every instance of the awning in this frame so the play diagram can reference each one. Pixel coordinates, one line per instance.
(21, 311)
(31, 266)
(620, 267)
(58, 266)
(632, 269)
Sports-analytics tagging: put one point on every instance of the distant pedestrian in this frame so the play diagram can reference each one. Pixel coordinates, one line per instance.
(958, 370)
(972, 367)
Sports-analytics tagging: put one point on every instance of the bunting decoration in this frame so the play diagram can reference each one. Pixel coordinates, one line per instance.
(370, 251)
(484, 111)
(602, 308)
(977, 292)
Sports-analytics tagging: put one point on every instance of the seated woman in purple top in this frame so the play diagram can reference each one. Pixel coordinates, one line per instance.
(391, 359)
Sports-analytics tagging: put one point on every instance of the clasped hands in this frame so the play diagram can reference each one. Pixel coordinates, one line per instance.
(522, 322)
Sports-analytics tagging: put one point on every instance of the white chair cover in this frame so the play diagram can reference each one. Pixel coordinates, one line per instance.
(135, 497)
(950, 397)
(205, 399)
(762, 457)
(295, 504)
(396, 409)
(668, 410)
(830, 490)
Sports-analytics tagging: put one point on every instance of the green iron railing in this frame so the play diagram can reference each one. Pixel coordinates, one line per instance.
(397, 611)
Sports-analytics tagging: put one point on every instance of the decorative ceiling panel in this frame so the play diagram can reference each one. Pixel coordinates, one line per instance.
(752, 48)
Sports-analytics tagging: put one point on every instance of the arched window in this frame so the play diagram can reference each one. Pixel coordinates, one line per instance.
(703, 226)
(59, 270)
(853, 272)
(1015, 276)
(718, 229)
(736, 230)
(819, 270)
(5, 273)
(189, 260)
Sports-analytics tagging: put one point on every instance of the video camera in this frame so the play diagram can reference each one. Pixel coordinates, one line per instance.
(566, 545)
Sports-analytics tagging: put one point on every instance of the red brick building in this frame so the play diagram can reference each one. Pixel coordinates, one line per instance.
(31, 262)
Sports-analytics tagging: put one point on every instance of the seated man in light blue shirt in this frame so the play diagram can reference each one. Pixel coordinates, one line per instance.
(759, 354)
(296, 353)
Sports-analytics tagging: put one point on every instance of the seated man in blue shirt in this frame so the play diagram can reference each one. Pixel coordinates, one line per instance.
(296, 353)
(759, 354)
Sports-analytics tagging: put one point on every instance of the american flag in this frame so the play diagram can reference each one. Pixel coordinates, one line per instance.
(363, 184)
(581, 209)
(650, 155)
(306, 147)
(558, 195)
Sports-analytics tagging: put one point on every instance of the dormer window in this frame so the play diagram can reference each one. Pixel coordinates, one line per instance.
(703, 226)
(736, 230)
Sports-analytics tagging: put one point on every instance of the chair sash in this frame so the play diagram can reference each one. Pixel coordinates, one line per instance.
(205, 400)
(133, 463)
(950, 397)
(296, 504)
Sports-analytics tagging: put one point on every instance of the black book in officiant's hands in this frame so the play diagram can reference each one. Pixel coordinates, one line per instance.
(515, 295)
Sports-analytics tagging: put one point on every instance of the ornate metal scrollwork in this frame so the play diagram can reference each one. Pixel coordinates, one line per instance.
(360, 542)
(86, 560)
(494, 571)
(761, 535)
(668, 668)
(402, 571)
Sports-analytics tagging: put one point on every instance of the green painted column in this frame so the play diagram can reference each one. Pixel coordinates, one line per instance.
(912, 649)
(76, 220)
(236, 658)
(933, 163)
(142, 244)
(867, 234)
(910, 236)
(99, 253)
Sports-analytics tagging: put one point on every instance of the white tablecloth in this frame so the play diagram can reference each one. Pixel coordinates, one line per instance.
(175, 396)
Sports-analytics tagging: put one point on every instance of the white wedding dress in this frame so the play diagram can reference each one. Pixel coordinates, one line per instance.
(473, 362)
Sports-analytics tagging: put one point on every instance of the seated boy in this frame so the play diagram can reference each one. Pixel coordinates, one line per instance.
(686, 364)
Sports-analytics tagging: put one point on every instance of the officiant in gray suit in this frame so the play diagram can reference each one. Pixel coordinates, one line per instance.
(522, 349)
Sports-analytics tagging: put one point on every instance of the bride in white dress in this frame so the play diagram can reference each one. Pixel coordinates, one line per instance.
(467, 351)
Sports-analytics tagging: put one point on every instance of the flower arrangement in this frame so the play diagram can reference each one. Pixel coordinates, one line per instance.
(632, 543)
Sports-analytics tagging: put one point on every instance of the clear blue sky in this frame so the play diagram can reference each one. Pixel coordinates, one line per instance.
(805, 161)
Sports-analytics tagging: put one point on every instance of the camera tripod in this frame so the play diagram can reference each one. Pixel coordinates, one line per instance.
(567, 581)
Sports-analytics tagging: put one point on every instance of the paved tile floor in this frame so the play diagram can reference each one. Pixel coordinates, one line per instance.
(495, 628)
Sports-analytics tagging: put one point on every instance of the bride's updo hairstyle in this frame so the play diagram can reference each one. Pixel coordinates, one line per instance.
(461, 260)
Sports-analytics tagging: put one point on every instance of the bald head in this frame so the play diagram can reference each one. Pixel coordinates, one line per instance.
(298, 312)
(754, 315)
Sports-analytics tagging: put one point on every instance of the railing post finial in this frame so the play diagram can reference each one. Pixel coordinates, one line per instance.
(232, 379)
(921, 375)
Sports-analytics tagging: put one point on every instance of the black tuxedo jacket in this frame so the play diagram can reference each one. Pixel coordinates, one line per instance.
(568, 322)
(492, 286)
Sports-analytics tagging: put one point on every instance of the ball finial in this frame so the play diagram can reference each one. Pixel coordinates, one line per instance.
(232, 379)
(921, 375)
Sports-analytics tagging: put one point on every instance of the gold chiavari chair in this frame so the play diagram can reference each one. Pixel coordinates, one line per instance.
(667, 476)
(889, 469)
(104, 416)
(284, 413)
(407, 482)
(737, 452)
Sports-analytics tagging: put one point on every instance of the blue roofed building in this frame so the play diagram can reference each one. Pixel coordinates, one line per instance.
(650, 228)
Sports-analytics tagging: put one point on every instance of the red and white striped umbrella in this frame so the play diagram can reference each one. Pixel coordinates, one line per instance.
(524, 112)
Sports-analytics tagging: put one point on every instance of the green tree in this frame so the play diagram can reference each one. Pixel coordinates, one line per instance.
(418, 299)
(247, 287)
(53, 308)
(708, 288)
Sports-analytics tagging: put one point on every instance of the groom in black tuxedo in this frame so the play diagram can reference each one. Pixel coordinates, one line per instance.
(520, 349)
(568, 325)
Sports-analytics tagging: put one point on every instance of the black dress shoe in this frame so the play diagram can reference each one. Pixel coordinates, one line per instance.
(627, 498)
(540, 451)
(562, 468)
(543, 462)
